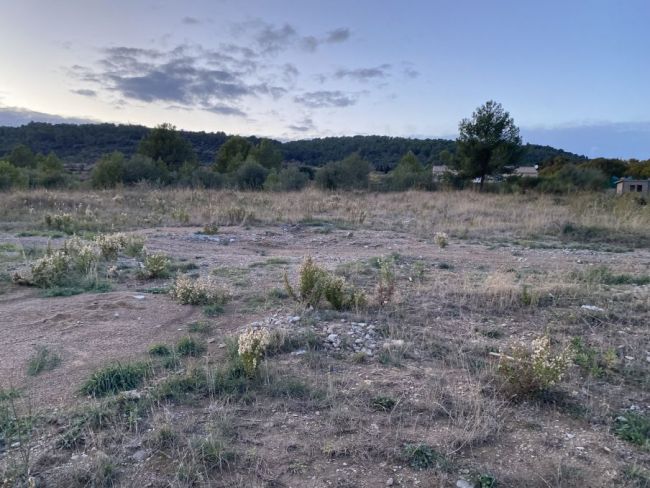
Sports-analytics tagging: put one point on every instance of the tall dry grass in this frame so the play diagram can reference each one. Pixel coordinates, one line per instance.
(460, 213)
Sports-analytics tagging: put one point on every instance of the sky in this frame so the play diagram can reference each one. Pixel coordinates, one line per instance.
(573, 74)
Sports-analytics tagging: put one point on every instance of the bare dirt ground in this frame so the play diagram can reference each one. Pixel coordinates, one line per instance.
(454, 306)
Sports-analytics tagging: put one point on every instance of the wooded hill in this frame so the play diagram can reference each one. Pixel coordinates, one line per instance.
(83, 145)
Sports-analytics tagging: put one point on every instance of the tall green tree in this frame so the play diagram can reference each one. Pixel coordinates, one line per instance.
(232, 154)
(488, 142)
(166, 144)
(267, 154)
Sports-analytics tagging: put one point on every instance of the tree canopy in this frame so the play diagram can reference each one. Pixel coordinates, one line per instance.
(487, 142)
(166, 144)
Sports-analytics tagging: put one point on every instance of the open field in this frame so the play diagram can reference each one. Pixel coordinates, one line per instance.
(407, 389)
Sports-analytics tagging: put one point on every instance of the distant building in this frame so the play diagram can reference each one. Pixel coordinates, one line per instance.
(438, 171)
(627, 185)
(526, 171)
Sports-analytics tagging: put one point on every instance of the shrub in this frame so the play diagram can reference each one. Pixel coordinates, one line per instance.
(634, 427)
(386, 284)
(108, 172)
(134, 246)
(115, 378)
(75, 260)
(252, 345)
(12, 177)
(156, 266)
(383, 403)
(251, 175)
(343, 296)
(441, 239)
(188, 346)
(288, 179)
(160, 350)
(111, 244)
(43, 360)
(423, 456)
(535, 369)
(63, 222)
(201, 291)
(315, 283)
(349, 173)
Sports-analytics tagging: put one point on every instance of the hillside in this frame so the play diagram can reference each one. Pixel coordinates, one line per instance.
(82, 145)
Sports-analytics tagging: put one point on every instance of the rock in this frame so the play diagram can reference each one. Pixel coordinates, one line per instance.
(332, 338)
(464, 484)
(138, 297)
(141, 455)
(299, 352)
(592, 308)
(390, 482)
(131, 395)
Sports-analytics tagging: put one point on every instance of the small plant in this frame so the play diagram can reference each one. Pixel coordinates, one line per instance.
(134, 246)
(252, 345)
(160, 350)
(201, 291)
(111, 244)
(188, 346)
(115, 378)
(383, 403)
(423, 456)
(156, 266)
(211, 229)
(441, 239)
(315, 283)
(213, 455)
(63, 222)
(342, 296)
(534, 369)
(591, 360)
(199, 327)
(386, 284)
(43, 360)
(633, 427)
(213, 310)
(486, 481)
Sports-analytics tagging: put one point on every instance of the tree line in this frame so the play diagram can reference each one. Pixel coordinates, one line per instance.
(488, 149)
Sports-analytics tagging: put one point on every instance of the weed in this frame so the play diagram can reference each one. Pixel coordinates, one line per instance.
(115, 378)
(383, 403)
(199, 327)
(638, 476)
(441, 239)
(534, 369)
(160, 350)
(423, 456)
(252, 345)
(386, 284)
(201, 291)
(633, 427)
(43, 360)
(155, 266)
(210, 229)
(188, 346)
(213, 455)
(485, 481)
(213, 310)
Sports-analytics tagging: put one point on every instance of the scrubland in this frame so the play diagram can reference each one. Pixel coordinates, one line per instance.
(314, 339)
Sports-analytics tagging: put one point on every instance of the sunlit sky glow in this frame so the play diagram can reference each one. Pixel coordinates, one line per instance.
(573, 74)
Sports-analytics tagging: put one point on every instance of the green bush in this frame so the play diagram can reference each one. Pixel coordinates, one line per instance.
(350, 173)
(288, 179)
(251, 175)
(634, 427)
(188, 346)
(12, 177)
(156, 266)
(115, 378)
(160, 350)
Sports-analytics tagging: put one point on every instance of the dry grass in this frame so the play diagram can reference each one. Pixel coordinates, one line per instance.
(516, 267)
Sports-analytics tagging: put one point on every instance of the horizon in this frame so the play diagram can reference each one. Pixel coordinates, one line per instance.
(305, 71)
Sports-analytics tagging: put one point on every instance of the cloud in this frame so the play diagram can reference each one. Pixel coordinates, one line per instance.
(305, 125)
(190, 21)
(17, 116)
(411, 72)
(326, 98)
(186, 75)
(364, 74)
(272, 39)
(341, 34)
(85, 92)
(226, 110)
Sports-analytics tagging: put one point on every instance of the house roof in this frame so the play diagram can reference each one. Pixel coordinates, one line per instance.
(632, 180)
